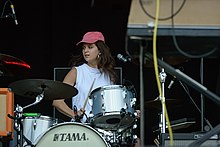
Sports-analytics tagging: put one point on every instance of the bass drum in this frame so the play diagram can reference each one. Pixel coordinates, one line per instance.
(71, 134)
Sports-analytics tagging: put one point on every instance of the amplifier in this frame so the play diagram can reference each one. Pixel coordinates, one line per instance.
(60, 73)
(185, 139)
(6, 107)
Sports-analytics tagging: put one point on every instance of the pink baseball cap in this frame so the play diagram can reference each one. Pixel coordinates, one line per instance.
(92, 37)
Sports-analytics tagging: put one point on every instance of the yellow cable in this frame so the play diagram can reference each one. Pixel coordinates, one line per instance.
(157, 72)
(154, 49)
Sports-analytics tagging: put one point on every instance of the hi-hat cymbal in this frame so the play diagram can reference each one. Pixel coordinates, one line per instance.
(9, 65)
(157, 103)
(31, 88)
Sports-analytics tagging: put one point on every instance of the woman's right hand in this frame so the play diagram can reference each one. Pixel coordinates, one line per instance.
(81, 113)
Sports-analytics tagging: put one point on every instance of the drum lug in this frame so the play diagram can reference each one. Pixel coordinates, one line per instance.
(124, 94)
(133, 102)
(35, 124)
(91, 114)
(103, 107)
(122, 112)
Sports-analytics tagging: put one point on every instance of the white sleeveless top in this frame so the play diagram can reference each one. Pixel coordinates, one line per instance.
(84, 79)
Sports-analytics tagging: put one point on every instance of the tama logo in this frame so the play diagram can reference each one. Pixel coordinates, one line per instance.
(70, 137)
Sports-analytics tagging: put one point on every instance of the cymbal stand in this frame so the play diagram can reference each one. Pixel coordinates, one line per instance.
(19, 127)
(162, 124)
(38, 99)
(19, 116)
(18, 124)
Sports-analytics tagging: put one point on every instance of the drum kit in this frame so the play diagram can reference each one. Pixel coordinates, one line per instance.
(111, 122)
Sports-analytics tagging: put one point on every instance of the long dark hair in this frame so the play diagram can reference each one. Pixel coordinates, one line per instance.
(106, 62)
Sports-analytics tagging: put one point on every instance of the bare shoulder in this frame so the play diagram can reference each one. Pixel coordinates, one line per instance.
(72, 70)
(70, 77)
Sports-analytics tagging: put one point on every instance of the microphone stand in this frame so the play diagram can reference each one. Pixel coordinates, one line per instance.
(188, 80)
(163, 120)
(197, 86)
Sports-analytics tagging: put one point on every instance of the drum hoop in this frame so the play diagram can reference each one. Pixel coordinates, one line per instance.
(107, 87)
(42, 117)
(112, 87)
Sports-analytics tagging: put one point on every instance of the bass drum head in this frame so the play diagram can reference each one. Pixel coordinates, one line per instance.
(71, 134)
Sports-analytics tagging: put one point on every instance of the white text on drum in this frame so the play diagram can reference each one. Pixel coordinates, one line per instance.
(70, 137)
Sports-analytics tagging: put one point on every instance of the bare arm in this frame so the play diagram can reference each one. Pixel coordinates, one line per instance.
(60, 104)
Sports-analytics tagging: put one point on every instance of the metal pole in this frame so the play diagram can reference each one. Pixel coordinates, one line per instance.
(141, 96)
(202, 98)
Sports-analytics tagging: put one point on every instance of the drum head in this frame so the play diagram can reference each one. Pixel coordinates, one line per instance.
(71, 134)
(113, 122)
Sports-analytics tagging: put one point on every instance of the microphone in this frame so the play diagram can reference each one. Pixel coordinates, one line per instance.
(13, 12)
(171, 82)
(174, 78)
(122, 58)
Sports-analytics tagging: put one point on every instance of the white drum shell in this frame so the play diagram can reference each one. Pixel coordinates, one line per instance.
(33, 127)
(107, 103)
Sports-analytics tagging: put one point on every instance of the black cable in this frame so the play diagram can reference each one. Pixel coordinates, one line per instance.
(3, 10)
(166, 18)
(188, 93)
(179, 49)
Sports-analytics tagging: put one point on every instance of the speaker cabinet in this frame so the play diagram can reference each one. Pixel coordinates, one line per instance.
(6, 107)
(185, 139)
(193, 12)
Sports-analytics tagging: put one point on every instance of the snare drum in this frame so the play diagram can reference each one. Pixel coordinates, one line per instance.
(112, 107)
(71, 134)
(34, 126)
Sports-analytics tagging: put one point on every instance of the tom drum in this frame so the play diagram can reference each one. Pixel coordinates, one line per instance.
(112, 107)
(34, 126)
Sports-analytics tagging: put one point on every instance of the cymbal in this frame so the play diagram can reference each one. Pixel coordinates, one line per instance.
(157, 103)
(30, 88)
(9, 65)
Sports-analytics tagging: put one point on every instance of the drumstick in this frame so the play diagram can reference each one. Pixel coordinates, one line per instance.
(89, 94)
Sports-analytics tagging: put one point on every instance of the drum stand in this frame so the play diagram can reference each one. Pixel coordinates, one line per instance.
(162, 124)
(18, 124)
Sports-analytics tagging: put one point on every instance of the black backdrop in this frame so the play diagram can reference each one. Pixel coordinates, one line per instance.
(45, 38)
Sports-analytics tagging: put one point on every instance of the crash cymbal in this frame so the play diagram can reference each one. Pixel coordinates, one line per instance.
(30, 88)
(10, 66)
(157, 103)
